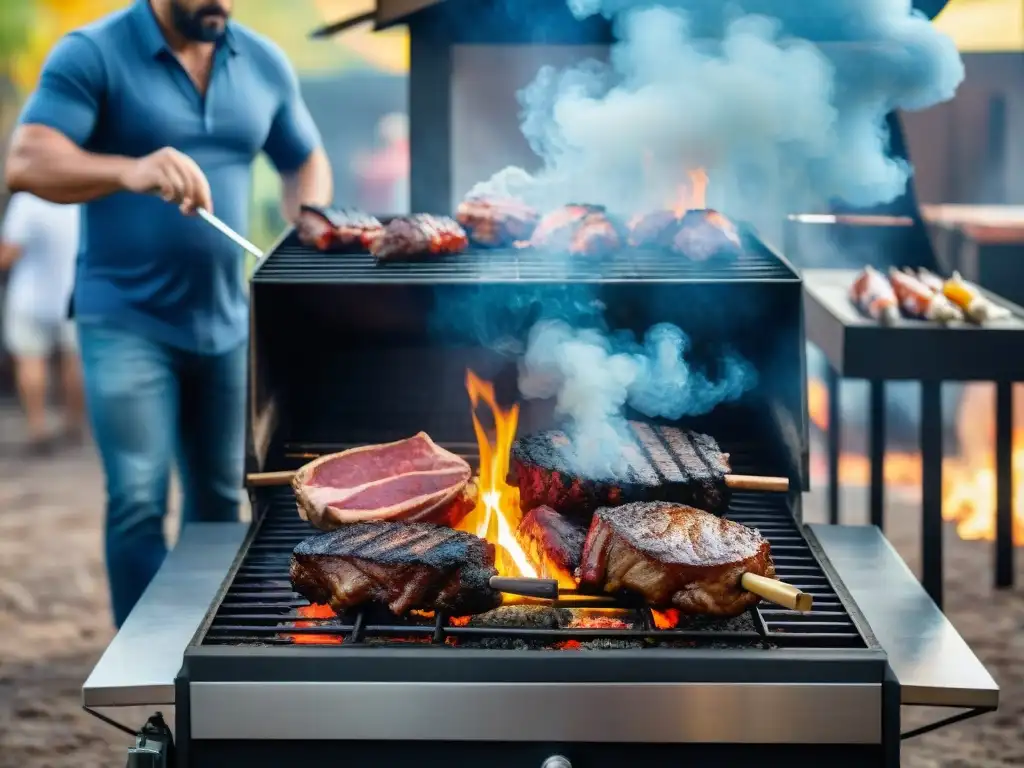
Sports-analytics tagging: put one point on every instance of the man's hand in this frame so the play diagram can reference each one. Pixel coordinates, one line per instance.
(174, 176)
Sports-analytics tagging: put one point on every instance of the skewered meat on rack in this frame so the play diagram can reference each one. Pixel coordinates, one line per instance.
(337, 230)
(406, 566)
(920, 302)
(675, 557)
(873, 295)
(704, 235)
(665, 463)
(496, 222)
(414, 480)
(419, 236)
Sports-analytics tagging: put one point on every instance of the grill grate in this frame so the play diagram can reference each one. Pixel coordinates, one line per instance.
(259, 607)
(291, 262)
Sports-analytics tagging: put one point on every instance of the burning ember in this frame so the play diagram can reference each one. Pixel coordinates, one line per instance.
(497, 514)
(318, 613)
(969, 480)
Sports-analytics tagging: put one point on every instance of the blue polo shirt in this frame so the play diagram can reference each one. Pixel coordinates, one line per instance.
(116, 88)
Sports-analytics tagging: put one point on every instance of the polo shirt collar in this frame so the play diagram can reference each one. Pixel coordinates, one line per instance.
(153, 38)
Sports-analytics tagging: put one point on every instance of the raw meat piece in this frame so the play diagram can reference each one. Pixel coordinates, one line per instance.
(665, 463)
(414, 480)
(553, 542)
(332, 230)
(407, 566)
(675, 557)
(419, 236)
(496, 222)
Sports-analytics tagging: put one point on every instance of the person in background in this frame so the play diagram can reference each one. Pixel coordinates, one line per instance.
(38, 246)
(145, 116)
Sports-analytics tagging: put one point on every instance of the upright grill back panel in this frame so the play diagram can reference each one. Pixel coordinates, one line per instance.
(346, 351)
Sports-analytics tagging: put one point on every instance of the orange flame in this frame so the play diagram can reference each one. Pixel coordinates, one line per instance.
(666, 619)
(968, 480)
(314, 611)
(691, 196)
(497, 514)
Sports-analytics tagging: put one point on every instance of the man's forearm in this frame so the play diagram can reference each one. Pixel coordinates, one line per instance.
(312, 184)
(49, 165)
(9, 253)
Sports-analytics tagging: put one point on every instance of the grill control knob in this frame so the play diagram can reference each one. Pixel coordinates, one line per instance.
(556, 761)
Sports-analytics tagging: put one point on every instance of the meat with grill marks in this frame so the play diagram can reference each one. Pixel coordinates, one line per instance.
(675, 557)
(496, 222)
(406, 566)
(553, 542)
(664, 463)
(345, 230)
(419, 236)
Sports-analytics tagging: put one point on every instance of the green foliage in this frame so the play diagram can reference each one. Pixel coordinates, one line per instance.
(16, 20)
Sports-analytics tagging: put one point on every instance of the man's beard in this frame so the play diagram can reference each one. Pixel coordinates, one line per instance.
(196, 26)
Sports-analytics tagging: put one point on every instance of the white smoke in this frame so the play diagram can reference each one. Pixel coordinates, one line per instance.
(783, 103)
(593, 377)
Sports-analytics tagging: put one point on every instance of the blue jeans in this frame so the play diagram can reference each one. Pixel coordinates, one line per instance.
(150, 405)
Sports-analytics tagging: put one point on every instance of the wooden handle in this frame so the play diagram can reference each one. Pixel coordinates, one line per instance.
(261, 479)
(546, 589)
(756, 483)
(778, 592)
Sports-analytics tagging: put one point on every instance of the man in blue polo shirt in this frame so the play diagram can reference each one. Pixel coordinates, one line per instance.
(144, 116)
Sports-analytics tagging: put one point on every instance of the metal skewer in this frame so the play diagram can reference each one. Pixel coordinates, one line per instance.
(228, 232)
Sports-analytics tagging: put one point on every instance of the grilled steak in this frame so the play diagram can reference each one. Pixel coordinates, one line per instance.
(419, 236)
(584, 230)
(704, 235)
(665, 463)
(406, 566)
(553, 542)
(496, 223)
(330, 230)
(414, 480)
(675, 557)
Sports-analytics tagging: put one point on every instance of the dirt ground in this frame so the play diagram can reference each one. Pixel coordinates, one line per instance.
(54, 620)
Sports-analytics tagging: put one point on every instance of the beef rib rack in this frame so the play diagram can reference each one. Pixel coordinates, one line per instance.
(411, 480)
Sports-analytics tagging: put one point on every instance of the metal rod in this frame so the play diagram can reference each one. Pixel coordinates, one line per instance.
(876, 452)
(1004, 484)
(852, 219)
(228, 232)
(832, 383)
(931, 489)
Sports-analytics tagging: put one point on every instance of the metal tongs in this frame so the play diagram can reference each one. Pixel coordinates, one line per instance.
(228, 232)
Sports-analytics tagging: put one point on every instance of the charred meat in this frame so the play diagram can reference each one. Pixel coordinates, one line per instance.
(406, 566)
(552, 541)
(419, 236)
(665, 463)
(584, 230)
(343, 231)
(705, 235)
(496, 223)
(675, 557)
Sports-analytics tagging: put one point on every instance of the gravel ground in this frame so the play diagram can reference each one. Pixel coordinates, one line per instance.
(54, 621)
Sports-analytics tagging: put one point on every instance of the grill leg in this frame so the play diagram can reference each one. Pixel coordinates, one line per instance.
(931, 489)
(1004, 484)
(832, 384)
(876, 452)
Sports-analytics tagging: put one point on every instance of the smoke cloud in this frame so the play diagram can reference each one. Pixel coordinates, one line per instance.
(783, 103)
(594, 376)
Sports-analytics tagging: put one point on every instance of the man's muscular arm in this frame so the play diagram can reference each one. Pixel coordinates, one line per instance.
(46, 156)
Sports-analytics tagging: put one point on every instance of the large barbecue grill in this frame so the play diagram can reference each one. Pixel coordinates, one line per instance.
(345, 353)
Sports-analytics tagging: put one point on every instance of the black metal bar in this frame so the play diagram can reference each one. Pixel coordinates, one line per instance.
(834, 444)
(957, 718)
(931, 489)
(1004, 484)
(876, 451)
